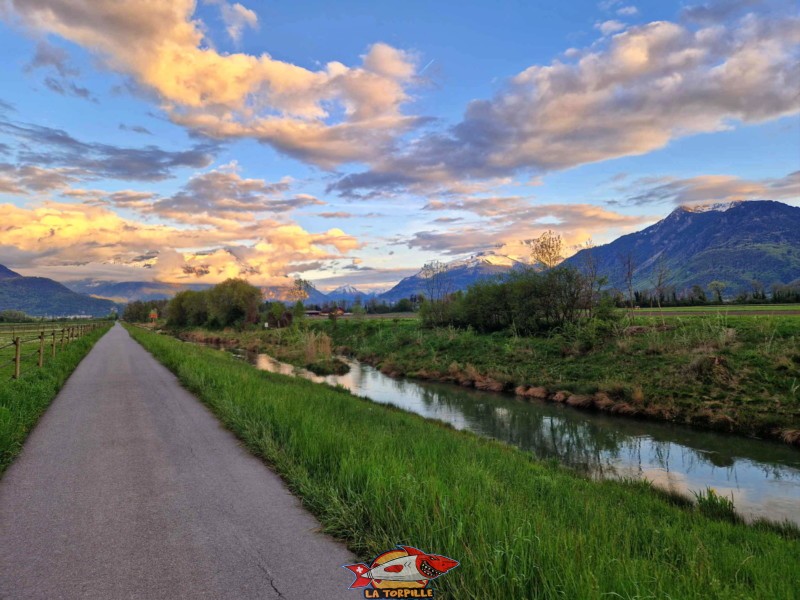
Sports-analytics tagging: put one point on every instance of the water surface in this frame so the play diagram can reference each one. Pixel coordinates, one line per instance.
(762, 477)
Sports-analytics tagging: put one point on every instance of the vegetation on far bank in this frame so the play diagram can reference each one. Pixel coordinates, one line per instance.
(730, 373)
(376, 476)
(23, 401)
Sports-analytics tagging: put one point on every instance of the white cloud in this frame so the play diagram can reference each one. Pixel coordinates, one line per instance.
(236, 18)
(632, 94)
(609, 27)
(162, 46)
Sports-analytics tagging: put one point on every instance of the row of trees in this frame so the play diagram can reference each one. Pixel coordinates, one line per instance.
(139, 311)
(526, 301)
(697, 295)
(231, 303)
(14, 316)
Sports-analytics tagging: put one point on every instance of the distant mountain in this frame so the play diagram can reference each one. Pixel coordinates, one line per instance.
(6, 273)
(735, 243)
(348, 294)
(460, 275)
(41, 297)
(128, 291)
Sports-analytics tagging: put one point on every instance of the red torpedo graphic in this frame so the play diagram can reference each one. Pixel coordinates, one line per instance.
(415, 566)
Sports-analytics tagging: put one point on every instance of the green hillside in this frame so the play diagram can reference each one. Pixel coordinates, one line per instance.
(39, 296)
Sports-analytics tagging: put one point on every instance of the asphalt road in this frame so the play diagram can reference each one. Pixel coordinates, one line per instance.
(130, 488)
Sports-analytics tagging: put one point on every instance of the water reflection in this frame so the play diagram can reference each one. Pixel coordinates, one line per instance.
(763, 477)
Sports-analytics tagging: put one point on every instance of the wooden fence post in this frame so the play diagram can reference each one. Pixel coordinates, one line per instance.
(53, 349)
(63, 331)
(41, 349)
(17, 345)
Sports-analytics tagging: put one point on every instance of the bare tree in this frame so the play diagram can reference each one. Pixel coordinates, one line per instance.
(547, 249)
(593, 282)
(438, 289)
(758, 290)
(437, 281)
(629, 269)
(662, 275)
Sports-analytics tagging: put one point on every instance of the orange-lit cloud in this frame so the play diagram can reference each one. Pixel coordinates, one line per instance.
(60, 234)
(633, 92)
(710, 188)
(163, 47)
(506, 224)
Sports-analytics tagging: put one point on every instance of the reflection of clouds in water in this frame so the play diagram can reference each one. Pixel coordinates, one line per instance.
(677, 459)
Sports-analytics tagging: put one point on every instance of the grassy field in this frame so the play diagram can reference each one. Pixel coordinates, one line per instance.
(376, 476)
(29, 352)
(23, 401)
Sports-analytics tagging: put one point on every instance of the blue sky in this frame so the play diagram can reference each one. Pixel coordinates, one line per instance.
(351, 142)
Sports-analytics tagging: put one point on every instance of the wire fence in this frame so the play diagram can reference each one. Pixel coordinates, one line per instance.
(26, 346)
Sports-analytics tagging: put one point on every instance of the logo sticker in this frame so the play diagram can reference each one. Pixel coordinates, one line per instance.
(404, 572)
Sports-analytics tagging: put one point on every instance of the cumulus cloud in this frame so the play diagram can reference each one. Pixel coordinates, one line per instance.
(609, 27)
(49, 56)
(710, 188)
(48, 147)
(58, 234)
(236, 18)
(508, 222)
(634, 93)
(56, 59)
(716, 11)
(68, 88)
(135, 129)
(23, 179)
(223, 193)
(220, 198)
(161, 45)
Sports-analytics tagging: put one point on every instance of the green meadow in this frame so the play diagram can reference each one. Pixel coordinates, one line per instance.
(376, 476)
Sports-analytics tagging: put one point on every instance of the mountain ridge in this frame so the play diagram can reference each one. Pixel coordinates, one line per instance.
(736, 243)
(43, 297)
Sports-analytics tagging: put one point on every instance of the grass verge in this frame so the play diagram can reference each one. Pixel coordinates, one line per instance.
(23, 401)
(377, 476)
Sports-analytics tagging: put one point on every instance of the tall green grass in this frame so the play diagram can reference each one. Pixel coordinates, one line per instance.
(376, 476)
(23, 401)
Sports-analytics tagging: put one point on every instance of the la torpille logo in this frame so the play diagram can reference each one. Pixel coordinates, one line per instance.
(404, 572)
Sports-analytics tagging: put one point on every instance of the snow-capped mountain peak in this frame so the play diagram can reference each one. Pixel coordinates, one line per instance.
(710, 206)
(345, 289)
(483, 258)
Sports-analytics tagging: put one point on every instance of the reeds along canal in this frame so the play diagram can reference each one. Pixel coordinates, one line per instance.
(762, 477)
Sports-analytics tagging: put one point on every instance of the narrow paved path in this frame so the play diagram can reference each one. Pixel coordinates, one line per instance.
(130, 488)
